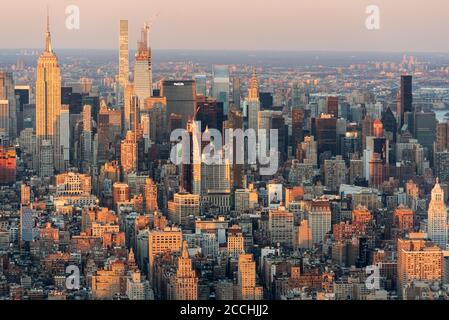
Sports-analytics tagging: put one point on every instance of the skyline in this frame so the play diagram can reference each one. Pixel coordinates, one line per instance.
(289, 26)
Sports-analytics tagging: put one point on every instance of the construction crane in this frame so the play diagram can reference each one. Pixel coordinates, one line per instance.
(146, 28)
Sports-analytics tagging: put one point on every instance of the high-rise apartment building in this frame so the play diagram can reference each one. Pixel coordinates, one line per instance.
(123, 54)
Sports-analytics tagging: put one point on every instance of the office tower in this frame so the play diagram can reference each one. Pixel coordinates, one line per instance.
(174, 122)
(405, 103)
(184, 206)
(120, 192)
(220, 85)
(132, 115)
(236, 92)
(441, 165)
(156, 108)
(334, 173)
(235, 242)
(27, 224)
(150, 191)
(376, 171)
(7, 165)
(135, 287)
(245, 199)
(418, 260)
(424, 126)
(308, 151)
(162, 241)
(350, 145)
(235, 121)
(378, 128)
(186, 280)
(355, 170)
(332, 106)
(437, 218)
(143, 78)
(129, 152)
(181, 97)
(201, 84)
(277, 123)
(253, 103)
(210, 113)
(324, 129)
(123, 69)
(48, 109)
(64, 138)
(25, 194)
(109, 128)
(8, 105)
(247, 278)
(320, 220)
(266, 100)
(87, 134)
(441, 139)
(390, 125)
(4, 121)
(281, 227)
(367, 129)
(297, 128)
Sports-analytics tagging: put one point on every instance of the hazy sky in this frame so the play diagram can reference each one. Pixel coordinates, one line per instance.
(333, 25)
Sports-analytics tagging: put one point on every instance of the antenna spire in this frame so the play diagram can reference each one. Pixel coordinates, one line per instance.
(47, 34)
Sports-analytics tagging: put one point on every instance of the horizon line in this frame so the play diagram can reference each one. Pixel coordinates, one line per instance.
(249, 50)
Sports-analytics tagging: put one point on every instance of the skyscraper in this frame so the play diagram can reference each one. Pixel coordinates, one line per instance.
(181, 98)
(123, 53)
(405, 98)
(253, 103)
(186, 281)
(220, 85)
(418, 259)
(437, 217)
(8, 103)
(48, 109)
(123, 68)
(143, 78)
(247, 278)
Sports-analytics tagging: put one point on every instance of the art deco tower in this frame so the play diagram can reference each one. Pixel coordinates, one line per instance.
(437, 217)
(48, 109)
(253, 102)
(186, 279)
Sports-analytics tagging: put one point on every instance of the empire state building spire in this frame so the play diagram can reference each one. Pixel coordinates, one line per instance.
(48, 35)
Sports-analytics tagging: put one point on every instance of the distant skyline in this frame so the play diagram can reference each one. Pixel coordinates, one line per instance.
(280, 25)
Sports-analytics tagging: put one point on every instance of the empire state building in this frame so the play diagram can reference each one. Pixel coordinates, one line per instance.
(48, 110)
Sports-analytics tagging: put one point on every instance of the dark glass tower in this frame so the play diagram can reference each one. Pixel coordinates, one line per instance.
(406, 97)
